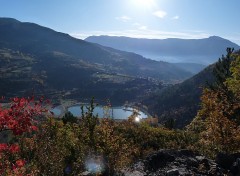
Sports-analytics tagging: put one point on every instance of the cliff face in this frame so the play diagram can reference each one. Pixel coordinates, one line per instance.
(184, 162)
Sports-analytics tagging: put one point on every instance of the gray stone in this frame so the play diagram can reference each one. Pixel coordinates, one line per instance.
(86, 173)
(177, 162)
(200, 158)
(172, 172)
(235, 168)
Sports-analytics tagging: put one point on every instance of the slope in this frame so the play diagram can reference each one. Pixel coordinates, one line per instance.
(181, 101)
(40, 41)
(40, 60)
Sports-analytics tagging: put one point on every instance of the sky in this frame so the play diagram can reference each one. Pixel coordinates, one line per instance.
(158, 19)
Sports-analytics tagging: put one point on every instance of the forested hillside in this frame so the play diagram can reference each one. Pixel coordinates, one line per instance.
(182, 101)
(36, 59)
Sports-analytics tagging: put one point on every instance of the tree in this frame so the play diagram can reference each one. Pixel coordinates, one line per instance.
(69, 117)
(170, 123)
(18, 119)
(89, 121)
(221, 132)
(221, 70)
(217, 119)
(233, 82)
(116, 150)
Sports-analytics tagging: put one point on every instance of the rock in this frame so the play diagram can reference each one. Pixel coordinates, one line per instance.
(205, 163)
(235, 168)
(226, 160)
(173, 172)
(186, 152)
(136, 173)
(192, 162)
(177, 162)
(215, 170)
(86, 173)
(158, 160)
(136, 170)
(200, 158)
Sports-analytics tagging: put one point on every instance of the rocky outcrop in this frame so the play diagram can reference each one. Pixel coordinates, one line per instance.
(229, 162)
(181, 162)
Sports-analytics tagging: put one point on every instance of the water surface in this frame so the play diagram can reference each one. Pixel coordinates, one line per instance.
(118, 112)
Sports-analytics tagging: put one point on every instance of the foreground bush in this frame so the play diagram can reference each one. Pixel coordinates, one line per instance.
(71, 147)
(16, 121)
(217, 123)
(51, 147)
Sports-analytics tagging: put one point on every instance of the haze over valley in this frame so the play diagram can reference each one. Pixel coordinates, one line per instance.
(199, 51)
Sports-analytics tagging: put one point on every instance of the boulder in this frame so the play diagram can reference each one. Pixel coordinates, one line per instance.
(226, 160)
(175, 163)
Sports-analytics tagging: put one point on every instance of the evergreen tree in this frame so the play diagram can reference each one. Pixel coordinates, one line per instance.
(221, 70)
(69, 117)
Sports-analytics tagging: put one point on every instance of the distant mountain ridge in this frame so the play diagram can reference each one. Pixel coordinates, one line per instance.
(202, 51)
(36, 39)
(39, 58)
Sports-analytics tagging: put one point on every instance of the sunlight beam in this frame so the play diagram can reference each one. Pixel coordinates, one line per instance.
(144, 4)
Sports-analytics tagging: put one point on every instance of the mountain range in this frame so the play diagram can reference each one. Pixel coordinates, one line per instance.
(198, 51)
(40, 61)
(34, 58)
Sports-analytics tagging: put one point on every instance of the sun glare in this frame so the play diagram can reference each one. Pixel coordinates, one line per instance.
(137, 119)
(143, 3)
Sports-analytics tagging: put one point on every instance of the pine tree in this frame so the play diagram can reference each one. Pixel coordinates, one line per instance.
(221, 70)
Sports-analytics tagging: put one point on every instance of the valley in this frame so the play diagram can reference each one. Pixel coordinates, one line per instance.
(37, 60)
(119, 88)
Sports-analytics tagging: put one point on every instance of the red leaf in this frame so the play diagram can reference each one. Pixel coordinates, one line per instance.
(20, 163)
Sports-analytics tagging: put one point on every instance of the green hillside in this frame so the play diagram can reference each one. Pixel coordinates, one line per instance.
(181, 101)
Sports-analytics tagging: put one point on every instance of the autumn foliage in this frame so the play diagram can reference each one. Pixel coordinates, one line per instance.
(34, 143)
(217, 122)
(48, 146)
(17, 119)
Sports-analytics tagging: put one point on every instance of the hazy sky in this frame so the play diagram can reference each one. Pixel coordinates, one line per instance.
(134, 18)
